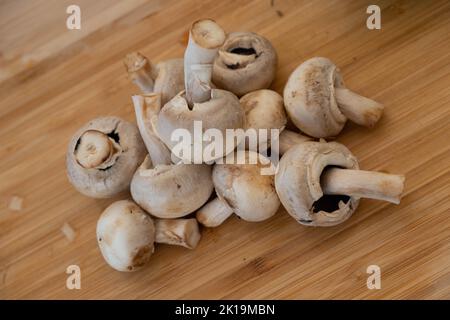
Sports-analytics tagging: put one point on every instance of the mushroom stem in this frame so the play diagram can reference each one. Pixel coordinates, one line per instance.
(180, 232)
(363, 184)
(96, 150)
(289, 139)
(198, 88)
(214, 213)
(358, 109)
(205, 38)
(139, 70)
(146, 108)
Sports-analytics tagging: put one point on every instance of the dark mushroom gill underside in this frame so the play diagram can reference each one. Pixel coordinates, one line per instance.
(328, 202)
(243, 51)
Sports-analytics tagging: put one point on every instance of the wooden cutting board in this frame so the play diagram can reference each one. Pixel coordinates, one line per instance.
(53, 80)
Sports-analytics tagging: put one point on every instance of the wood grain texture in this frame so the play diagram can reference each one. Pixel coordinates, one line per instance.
(53, 80)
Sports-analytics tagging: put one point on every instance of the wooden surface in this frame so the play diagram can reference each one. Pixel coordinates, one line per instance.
(53, 80)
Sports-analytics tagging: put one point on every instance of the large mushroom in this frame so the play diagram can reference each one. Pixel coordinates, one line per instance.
(171, 190)
(264, 112)
(165, 78)
(164, 189)
(241, 188)
(320, 183)
(246, 62)
(319, 104)
(214, 109)
(103, 155)
(126, 235)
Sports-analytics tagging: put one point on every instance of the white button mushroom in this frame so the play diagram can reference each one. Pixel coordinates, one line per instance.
(320, 183)
(166, 78)
(246, 62)
(264, 109)
(163, 189)
(216, 109)
(126, 235)
(103, 156)
(318, 103)
(223, 111)
(171, 191)
(242, 189)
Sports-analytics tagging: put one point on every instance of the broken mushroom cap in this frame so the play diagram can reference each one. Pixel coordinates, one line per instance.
(103, 156)
(246, 62)
(318, 103)
(298, 183)
(165, 78)
(242, 189)
(171, 191)
(125, 235)
(223, 111)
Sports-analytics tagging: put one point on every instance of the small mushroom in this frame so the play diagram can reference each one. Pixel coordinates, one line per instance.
(216, 109)
(171, 191)
(246, 62)
(126, 235)
(165, 78)
(103, 156)
(242, 189)
(264, 109)
(319, 104)
(320, 183)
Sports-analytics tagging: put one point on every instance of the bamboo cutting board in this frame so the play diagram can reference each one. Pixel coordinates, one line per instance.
(53, 80)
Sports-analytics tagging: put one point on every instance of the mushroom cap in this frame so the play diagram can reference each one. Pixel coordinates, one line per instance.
(237, 73)
(170, 79)
(298, 181)
(264, 109)
(105, 183)
(310, 100)
(125, 235)
(223, 111)
(250, 194)
(171, 191)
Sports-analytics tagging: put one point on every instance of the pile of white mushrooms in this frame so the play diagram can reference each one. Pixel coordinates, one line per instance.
(222, 81)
